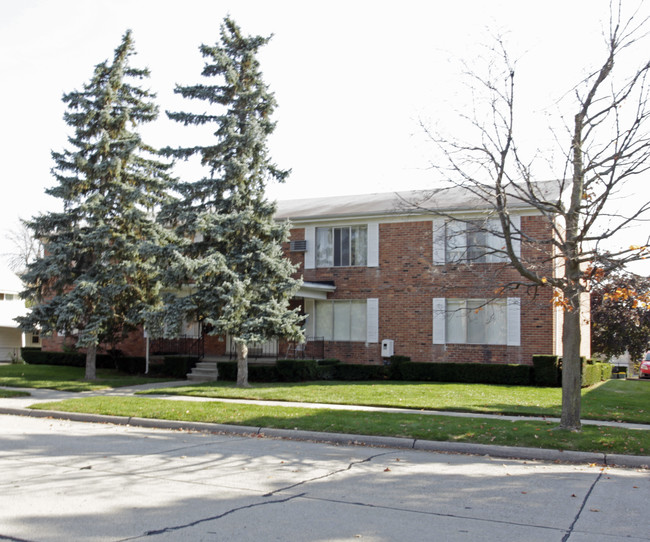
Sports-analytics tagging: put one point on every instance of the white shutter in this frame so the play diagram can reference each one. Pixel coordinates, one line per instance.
(373, 245)
(439, 320)
(514, 321)
(310, 329)
(515, 229)
(310, 253)
(372, 320)
(439, 241)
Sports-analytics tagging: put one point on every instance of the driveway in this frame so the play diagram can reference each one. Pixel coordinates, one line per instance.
(62, 480)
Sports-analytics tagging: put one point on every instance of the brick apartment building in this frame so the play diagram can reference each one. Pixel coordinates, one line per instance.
(383, 267)
(383, 273)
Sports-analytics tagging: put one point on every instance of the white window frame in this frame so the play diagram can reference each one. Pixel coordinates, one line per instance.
(370, 326)
(451, 241)
(443, 318)
(312, 234)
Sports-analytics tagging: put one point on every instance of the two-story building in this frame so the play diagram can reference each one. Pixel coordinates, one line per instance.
(423, 272)
(418, 273)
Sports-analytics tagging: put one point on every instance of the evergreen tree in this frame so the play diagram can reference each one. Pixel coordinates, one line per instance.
(240, 283)
(100, 271)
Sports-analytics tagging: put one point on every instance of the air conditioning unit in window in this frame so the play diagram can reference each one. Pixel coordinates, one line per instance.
(298, 246)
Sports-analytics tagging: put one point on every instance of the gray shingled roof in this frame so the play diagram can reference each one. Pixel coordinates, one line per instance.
(397, 203)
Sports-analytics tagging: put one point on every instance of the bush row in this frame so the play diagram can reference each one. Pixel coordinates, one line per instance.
(545, 371)
(548, 371)
(35, 356)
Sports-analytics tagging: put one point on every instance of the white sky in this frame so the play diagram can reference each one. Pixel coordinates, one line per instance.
(352, 79)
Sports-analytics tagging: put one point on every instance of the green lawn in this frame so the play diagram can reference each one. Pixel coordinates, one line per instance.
(65, 378)
(11, 393)
(538, 434)
(621, 400)
(618, 400)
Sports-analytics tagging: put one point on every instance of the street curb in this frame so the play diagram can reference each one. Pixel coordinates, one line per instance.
(509, 452)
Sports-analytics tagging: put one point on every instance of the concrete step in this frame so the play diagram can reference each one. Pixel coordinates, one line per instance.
(204, 371)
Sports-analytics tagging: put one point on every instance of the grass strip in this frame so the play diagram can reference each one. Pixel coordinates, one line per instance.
(12, 393)
(537, 434)
(65, 378)
(615, 400)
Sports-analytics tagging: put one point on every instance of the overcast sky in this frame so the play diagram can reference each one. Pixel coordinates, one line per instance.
(353, 79)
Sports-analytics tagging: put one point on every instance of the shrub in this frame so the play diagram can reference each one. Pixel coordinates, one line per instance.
(256, 373)
(327, 369)
(394, 364)
(131, 364)
(606, 371)
(39, 357)
(227, 370)
(346, 371)
(262, 373)
(594, 372)
(512, 374)
(297, 370)
(547, 370)
(69, 358)
(178, 366)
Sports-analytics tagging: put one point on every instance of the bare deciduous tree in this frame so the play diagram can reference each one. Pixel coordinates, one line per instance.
(606, 146)
(25, 248)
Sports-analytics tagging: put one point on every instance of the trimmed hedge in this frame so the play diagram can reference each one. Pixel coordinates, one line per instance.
(592, 373)
(133, 365)
(297, 370)
(71, 359)
(349, 371)
(178, 366)
(394, 366)
(256, 373)
(520, 375)
(547, 370)
(327, 369)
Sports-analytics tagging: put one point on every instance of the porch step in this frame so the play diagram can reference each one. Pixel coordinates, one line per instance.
(205, 371)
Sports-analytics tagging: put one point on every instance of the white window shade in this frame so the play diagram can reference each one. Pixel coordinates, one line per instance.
(372, 320)
(373, 245)
(439, 257)
(439, 320)
(514, 321)
(310, 253)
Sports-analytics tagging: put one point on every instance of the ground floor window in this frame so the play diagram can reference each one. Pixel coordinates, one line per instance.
(341, 320)
(476, 321)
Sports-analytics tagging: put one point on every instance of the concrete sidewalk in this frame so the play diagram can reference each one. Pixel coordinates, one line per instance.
(20, 406)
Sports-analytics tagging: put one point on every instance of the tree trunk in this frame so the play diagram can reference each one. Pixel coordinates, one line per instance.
(91, 357)
(242, 364)
(571, 366)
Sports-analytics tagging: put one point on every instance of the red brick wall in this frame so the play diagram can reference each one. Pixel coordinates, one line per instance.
(406, 282)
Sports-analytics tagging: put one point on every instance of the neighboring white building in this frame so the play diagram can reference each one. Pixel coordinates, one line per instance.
(11, 306)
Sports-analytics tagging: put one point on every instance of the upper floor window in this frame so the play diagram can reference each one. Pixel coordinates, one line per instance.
(342, 246)
(472, 241)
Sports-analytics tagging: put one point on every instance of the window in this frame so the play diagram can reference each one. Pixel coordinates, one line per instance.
(342, 247)
(341, 320)
(472, 241)
(477, 321)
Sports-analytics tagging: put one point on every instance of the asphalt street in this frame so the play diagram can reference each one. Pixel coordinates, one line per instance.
(63, 480)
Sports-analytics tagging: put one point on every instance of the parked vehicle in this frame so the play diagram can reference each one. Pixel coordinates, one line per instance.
(644, 369)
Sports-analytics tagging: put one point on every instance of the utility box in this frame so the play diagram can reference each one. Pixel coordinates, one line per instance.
(387, 348)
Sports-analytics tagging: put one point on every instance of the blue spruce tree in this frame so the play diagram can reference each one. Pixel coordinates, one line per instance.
(232, 260)
(100, 273)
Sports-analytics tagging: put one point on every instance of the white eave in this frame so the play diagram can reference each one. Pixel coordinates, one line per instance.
(315, 290)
